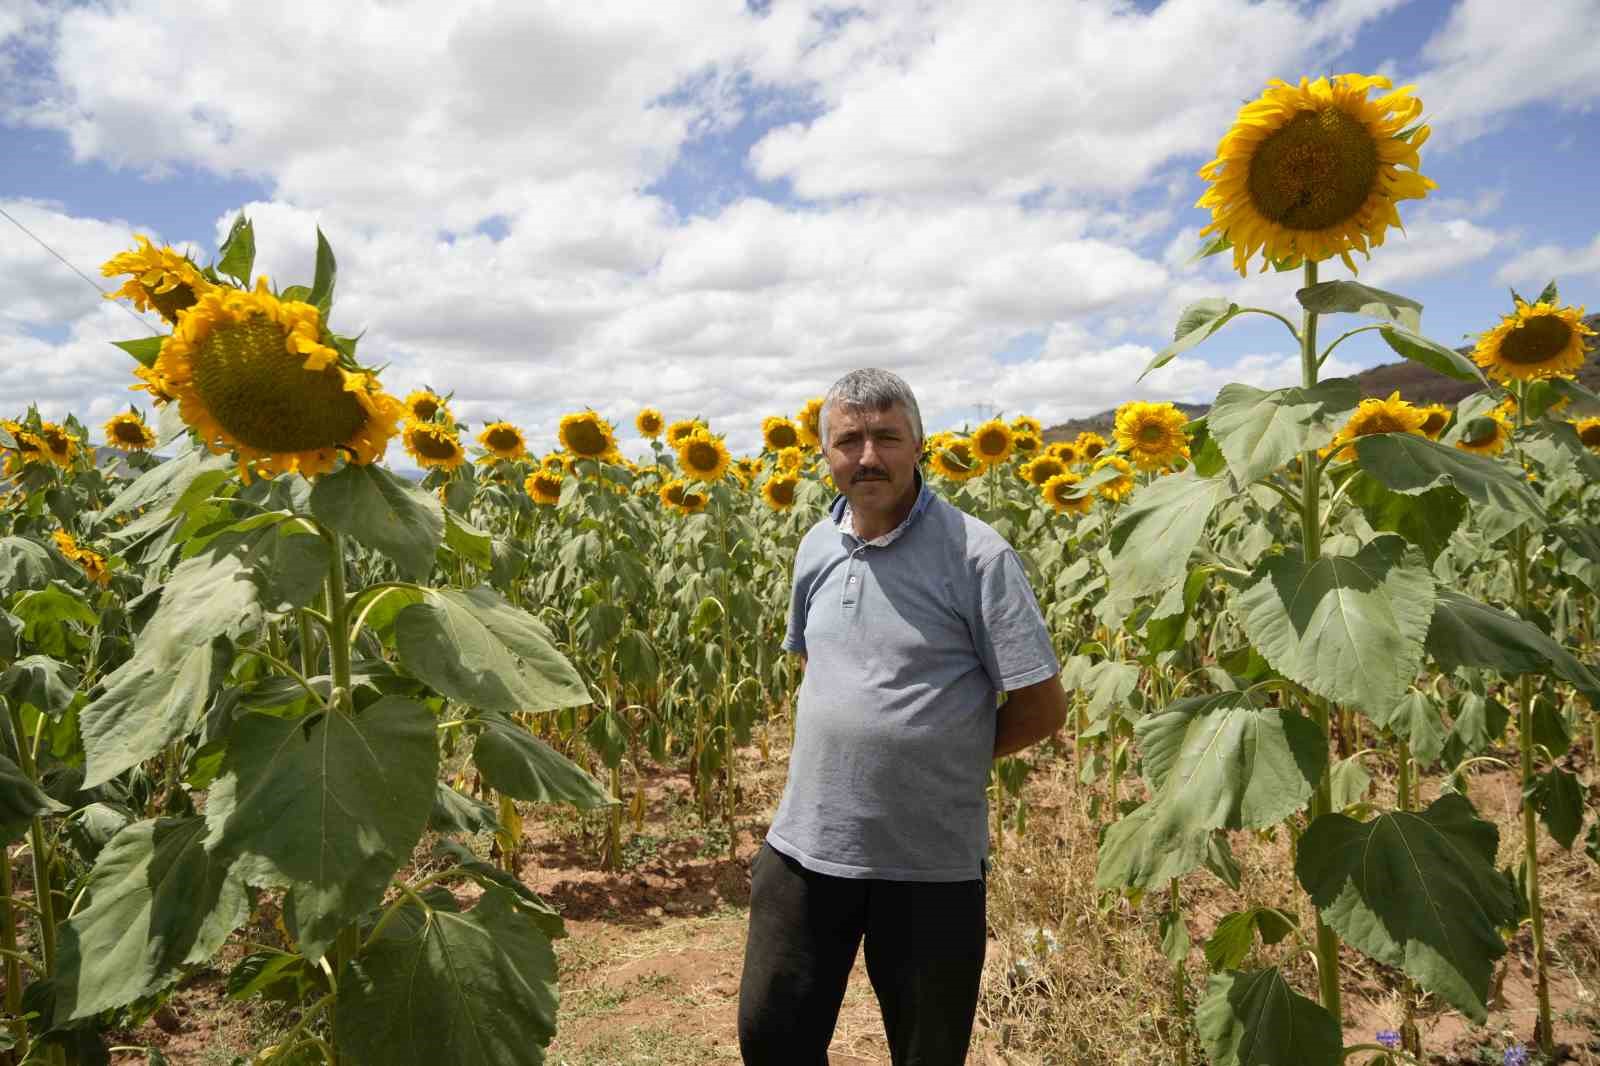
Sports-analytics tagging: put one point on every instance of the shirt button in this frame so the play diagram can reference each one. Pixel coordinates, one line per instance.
(852, 579)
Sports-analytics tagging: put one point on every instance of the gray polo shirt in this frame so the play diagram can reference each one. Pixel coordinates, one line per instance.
(909, 638)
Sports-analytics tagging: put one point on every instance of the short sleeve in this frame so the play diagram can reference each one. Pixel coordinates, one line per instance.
(794, 640)
(1009, 629)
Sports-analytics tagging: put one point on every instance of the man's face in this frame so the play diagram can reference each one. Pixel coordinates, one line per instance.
(872, 455)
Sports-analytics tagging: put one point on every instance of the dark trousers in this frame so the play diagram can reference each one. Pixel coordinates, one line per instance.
(925, 947)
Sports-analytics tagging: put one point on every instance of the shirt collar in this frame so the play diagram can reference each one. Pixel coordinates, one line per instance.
(844, 517)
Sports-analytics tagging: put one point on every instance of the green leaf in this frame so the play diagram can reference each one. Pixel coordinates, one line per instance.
(1331, 297)
(1349, 628)
(1550, 727)
(468, 541)
(24, 564)
(1479, 722)
(327, 806)
(1134, 854)
(383, 512)
(1432, 354)
(607, 736)
(167, 482)
(1556, 447)
(1260, 431)
(322, 283)
(1550, 294)
(1256, 1019)
(237, 256)
(1426, 519)
(455, 813)
(1558, 797)
(49, 686)
(1349, 782)
(157, 900)
(473, 989)
(514, 761)
(637, 662)
(1415, 891)
(1412, 464)
(1197, 322)
(1235, 936)
(1174, 936)
(547, 917)
(144, 349)
(1416, 718)
(20, 801)
(1161, 525)
(1468, 633)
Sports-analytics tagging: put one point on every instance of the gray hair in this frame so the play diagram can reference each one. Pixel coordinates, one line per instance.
(871, 389)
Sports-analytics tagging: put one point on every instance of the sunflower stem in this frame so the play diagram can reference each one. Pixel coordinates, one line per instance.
(1544, 1033)
(13, 968)
(1410, 1036)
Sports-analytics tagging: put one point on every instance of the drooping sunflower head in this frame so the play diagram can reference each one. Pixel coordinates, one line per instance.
(955, 459)
(1026, 443)
(127, 432)
(671, 493)
(1027, 424)
(587, 436)
(544, 487)
(703, 456)
(649, 423)
(992, 442)
(433, 445)
(1089, 445)
(151, 382)
(503, 440)
(1118, 488)
(1436, 417)
(1151, 434)
(694, 501)
(808, 423)
(778, 433)
(790, 459)
(92, 563)
(1589, 432)
(251, 375)
(425, 405)
(779, 491)
(1313, 170)
(1058, 493)
(30, 449)
(1392, 415)
(1534, 341)
(682, 429)
(60, 446)
(1064, 450)
(160, 278)
(1487, 434)
(1041, 468)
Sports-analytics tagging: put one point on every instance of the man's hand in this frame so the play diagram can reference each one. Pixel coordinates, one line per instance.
(1029, 715)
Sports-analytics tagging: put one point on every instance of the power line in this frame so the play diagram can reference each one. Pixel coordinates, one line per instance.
(92, 283)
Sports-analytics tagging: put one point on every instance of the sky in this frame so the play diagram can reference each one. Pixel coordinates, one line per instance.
(718, 207)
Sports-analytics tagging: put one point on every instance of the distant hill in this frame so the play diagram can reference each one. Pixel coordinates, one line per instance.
(1416, 383)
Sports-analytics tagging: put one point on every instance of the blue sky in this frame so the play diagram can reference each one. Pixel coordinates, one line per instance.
(717, 208)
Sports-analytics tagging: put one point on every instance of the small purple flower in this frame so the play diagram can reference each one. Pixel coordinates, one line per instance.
(1389, 1038)
(1516, 1055)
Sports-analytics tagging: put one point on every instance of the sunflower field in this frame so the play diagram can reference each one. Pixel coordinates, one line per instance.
(247, 669)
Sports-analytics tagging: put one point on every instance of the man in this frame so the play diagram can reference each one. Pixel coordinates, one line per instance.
(910, 617)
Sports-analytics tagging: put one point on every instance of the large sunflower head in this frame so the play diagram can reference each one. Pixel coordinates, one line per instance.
(1488, 434)
(649, 423)
(955, 459)
(1119, 487)
(1057, 492)
(1392, 415)
(1436, 416)
(587, 436)
(425, 405)
(433, 445)
(1534, 341)
(503, 441)
(1313, 170)
(779, 491)
(1064, 450)
(808, 423)
(682, 430)
(1151, 434)
(992, 442)
(1041, 468)
(544, 487)
(1089, 445)
(1589, 432)
(160, 278)
(778, 433)
(60, 446)
(127, 432)
(703, 456)
(251, 375)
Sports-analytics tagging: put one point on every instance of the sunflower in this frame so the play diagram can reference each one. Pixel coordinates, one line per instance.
(779, 491)
(1057, 492)
(162, 279)
(1534, 341)
(434, 446)
(1436, 417)
(1151, 434)
(790, 459)
(425, 405)
(1487, 434)
(1313, 171)
(60, 447)
(1117, 488)
(1042, 468)
(1089, 445)
(748, 469)
(503, 441)
(703, 456)
(649, 423)
(1027, 424)
(127, 432)
(955, 460)
(992, 442)
(544, 487)
(92, 563)
(671, 493)
(587, 436)
(1589, 432)
(1393, 415)
(555, 463)
(694, 502)
(779, 433)
(251, 376)
(30, 448)
(153, 383)
(808, 423)
(1064, 450)
(1026, 443)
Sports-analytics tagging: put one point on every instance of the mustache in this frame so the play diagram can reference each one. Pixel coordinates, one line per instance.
(868, 474)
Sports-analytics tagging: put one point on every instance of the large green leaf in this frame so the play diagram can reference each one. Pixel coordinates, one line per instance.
(20, 802)
(1349, 296)
(24, 564)
(1468, 633)
(475, 647)
(384, 512)
(1349, 628)
(327, 806)
(467, 540)
(1426, 519)
(473, 989)
(47, 684)
(514, 761)
(1260, 431)
(1197, 322)
(168, 481)
(1416, 891)
(455, 813)
(1256, 1019)
(1160, 527)
(1406, 462)
(1558, 797)
(1432, 354)
(1141, 849)
(157, 900)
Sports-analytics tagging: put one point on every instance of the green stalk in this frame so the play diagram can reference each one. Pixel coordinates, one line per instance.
(1544, 1032)
(13, 968)
(348, 943)
(726, 695)
(1180, 997)
(1410, 1035)
(1311, 547)
(44, 896)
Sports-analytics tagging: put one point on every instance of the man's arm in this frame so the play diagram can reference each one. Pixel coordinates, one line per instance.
(1030, 714)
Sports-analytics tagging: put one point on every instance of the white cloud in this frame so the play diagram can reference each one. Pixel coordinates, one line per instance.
(1530, 270)
(39, 290)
